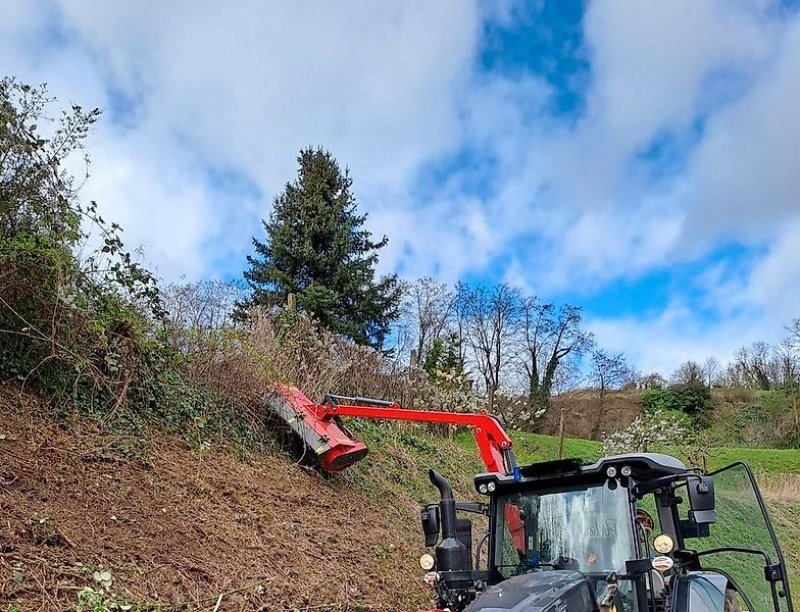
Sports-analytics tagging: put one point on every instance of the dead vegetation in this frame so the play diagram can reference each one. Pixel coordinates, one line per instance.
(584, 411)
(783, 488)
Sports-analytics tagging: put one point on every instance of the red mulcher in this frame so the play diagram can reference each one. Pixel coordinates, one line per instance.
(322, 432)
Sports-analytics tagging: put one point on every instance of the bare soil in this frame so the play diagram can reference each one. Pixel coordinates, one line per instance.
(587, 416)
(181, 527)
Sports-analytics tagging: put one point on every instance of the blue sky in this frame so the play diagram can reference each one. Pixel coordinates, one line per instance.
(638, 159)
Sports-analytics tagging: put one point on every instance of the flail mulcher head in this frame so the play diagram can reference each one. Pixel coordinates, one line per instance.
(317, 428)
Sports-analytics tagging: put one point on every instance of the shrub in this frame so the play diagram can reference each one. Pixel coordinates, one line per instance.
(770, 418)
(79, 327)
(690, 399)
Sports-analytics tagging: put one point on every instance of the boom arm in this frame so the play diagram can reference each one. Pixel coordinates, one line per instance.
(317, 425)
(323, 434)
(493, 442)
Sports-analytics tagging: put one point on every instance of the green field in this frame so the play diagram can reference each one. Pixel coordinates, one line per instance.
(531, 447)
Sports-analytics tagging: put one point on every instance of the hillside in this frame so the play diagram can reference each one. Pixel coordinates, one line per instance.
(737, 417)
(178, 526)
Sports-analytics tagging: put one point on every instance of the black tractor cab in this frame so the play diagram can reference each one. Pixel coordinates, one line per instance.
(629, 533)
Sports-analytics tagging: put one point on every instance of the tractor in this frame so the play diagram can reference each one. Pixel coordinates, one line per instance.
(638, 532)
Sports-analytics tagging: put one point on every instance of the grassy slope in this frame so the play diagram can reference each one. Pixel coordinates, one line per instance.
(532, 447)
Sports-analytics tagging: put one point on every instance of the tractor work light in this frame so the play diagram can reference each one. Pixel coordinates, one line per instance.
(611, 472)
(626, 470)
(663, 544)
(482, 488)
(491, 487)
(427, 562)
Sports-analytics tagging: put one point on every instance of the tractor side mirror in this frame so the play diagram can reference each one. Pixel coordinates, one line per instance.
(701, 499)
(430, 524)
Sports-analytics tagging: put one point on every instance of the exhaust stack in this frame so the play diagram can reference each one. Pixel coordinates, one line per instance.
(451, 554)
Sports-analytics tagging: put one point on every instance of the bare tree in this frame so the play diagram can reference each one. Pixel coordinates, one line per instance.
(756, 365)
(794, 330)
(689, 373)
(711, 368)
(202, 306)
(491, 317)
(654, 380)
(429, 306)
(198, 311)
(550, 337)
(609, 372)
(734, 375)
(789, 355)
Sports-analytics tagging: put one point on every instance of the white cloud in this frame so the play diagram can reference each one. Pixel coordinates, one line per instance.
(249, 87)
(166, 211)
(658, 70)
(744, 172)
(241, 91)
(774, 284)
(662, 342)
(651, 62)
(392, 88)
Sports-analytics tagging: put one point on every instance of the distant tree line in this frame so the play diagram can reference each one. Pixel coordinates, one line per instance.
(505, 344)
(758, 366)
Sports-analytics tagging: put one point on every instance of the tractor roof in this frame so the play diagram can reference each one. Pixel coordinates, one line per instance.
(568, 473)
(658, 464)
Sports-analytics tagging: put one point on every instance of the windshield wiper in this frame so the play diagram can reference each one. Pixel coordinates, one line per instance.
(556, 565)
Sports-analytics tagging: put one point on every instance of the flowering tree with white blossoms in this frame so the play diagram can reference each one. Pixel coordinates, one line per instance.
(647, 433)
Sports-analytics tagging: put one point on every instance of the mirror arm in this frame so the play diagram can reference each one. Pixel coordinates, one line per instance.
(473, 508)
(643, 488)
(768, 565)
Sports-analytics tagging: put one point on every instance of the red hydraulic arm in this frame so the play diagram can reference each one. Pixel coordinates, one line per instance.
(324, 434)
(493, 441)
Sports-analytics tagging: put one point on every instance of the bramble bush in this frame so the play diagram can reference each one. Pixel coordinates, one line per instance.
(80, 327)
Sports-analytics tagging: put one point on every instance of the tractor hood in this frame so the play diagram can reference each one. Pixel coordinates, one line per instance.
(540, 591)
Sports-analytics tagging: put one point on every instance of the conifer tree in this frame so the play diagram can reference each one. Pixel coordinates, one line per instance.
(317, 248)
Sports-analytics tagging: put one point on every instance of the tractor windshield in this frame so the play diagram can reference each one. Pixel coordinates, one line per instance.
(586, 529)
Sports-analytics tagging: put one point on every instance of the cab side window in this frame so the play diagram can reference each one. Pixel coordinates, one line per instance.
(647, 525)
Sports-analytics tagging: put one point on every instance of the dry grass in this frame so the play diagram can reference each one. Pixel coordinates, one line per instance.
(238, 366)
(780, 488)
(583, 412)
